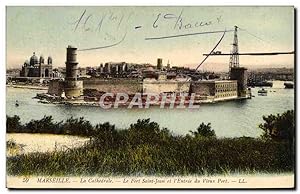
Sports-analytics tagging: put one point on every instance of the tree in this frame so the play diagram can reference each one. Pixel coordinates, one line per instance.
(279, 127)
(106, 135)
(144, 131)
(13, 124)
(204, 131)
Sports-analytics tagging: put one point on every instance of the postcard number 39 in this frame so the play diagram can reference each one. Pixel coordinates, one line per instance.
(25, 180)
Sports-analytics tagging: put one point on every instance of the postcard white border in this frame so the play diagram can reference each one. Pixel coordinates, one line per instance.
(5, 3)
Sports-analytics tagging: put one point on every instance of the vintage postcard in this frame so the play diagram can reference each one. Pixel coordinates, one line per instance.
(150, 97)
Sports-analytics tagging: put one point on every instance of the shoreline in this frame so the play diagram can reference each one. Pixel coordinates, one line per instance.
(27, 87)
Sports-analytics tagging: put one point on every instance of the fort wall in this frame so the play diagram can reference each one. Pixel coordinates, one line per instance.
(56, 87)
(169, 86)
(129, 86)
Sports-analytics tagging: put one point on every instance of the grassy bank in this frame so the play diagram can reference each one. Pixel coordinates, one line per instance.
(146, 148)
(178, 156)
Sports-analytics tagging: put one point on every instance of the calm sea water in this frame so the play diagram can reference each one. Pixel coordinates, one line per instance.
(228, 119)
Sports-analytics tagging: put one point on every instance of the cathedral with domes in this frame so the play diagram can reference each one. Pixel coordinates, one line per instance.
(36, 67)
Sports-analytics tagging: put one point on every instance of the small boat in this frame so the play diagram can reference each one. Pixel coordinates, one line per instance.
(262, 92)
(17, 103)
(288, 85)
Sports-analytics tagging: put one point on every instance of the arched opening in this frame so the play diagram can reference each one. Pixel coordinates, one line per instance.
(46, 73)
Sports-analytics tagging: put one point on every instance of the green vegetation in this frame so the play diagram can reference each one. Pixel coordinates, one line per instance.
(279, 127)
(204, 131)
(13, 124)
(71, 126)
(11, 144)
(147, 149)
(13, 148)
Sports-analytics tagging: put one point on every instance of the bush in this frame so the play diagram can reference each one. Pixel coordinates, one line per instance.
(44, 125)
(204, 131)
(182, 156)
(279, 127)
(143, 131)
(72, 126)
(77, 126)
(105, 135)
(13, 124)
(145, 148)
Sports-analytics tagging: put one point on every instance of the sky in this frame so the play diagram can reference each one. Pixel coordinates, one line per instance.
(131, 34)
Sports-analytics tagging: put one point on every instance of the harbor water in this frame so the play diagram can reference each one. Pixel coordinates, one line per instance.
(228, 119)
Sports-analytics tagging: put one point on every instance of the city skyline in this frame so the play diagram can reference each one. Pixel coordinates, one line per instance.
(130, 34)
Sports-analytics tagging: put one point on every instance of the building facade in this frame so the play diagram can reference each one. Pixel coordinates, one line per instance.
(36, 67)
(217, 90)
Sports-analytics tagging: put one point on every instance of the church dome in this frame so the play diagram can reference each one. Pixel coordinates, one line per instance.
(42, 60)
(34, 60)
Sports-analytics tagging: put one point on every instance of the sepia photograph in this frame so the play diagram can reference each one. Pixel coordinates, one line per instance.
(150, 97)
